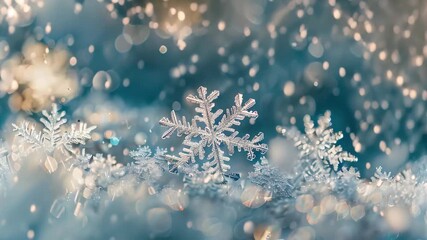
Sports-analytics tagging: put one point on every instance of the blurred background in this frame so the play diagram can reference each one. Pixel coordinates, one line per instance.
(124, 64)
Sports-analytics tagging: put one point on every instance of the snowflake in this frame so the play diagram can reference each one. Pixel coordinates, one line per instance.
(271, 179)
(52, 138)
(380, 176)
(213, 133)
(318, 149)
(147, 167)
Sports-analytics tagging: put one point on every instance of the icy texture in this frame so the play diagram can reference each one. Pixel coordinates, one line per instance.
(271, 179)
(147, 167)
(5, 169)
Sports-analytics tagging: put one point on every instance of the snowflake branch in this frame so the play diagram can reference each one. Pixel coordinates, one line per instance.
(236, 114)
(182, 127)
(244, 143)
(29, 134)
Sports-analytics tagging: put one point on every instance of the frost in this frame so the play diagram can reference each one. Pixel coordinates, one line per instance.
(317, 147)
(346, 182)
(402, 189)
(380, 176)
(147, 167)
(271, 179)
(52, 138)
(5, 169)
(212, 133)
(94, 177)
(203, 184)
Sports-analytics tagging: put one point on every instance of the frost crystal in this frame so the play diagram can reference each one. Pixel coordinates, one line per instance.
(52, 137)
(147, 167)
(95, 176)
(5, 170)
(318, 149)
(212, 133)
(271, 179)
(199, 183)
(346, 183)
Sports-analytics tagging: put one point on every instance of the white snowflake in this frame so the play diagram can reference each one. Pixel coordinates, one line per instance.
(317, 147)
(212, 133)
(52, 138)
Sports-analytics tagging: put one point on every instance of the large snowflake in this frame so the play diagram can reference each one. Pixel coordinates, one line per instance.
(318, 147)
(212, 133)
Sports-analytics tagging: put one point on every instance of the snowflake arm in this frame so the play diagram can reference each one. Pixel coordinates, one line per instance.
(236, 114)
(76, 135)
(244, 143)
(52, 123)
(205, 108)
(181, 127)
(29, 134)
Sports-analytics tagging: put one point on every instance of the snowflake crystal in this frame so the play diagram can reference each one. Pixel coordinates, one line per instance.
(212, 133)
(51, 138)
(318, 147)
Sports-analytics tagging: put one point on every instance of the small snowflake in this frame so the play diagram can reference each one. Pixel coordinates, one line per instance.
(380, 177)
(212, 133)
(147, 167)
(52, 137)
(317, 147)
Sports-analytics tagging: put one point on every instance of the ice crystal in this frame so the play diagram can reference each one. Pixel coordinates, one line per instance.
(147, 167)
(52, 138)
(204, 184)
(271, 179)
(402, 189)
(212, 133)
(317, 147)
(94, 177)
(346, 182)
(5, 169)
(380, 176)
